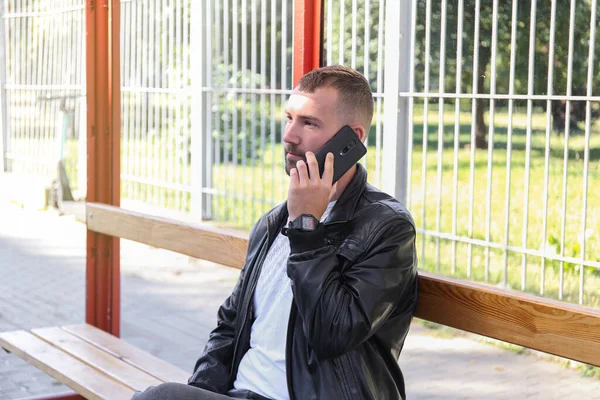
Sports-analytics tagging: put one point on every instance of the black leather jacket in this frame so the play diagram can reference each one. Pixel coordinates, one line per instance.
(354, 282)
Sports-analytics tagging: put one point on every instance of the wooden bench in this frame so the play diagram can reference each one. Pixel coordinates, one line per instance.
(100, 366)
(90, 361)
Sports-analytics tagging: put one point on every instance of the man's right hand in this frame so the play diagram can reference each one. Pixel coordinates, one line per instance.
(308, 193)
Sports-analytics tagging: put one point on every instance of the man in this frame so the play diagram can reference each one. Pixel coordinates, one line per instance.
(320, 310)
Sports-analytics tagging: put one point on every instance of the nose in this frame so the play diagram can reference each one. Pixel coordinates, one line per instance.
(292, 133)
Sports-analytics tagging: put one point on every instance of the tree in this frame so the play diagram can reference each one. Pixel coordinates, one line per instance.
(503, 49)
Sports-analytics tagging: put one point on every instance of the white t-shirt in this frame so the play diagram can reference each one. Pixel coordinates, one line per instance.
(262, 369)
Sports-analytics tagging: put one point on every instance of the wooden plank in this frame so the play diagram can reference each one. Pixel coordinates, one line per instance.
(61, 366)
(550, 326)
(216, 245)
(130, 354)
(97, 358)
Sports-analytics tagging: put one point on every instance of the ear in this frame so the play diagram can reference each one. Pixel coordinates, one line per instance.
(360, 132)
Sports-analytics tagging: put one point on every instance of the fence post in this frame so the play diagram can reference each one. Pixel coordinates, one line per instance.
(3, 101)
(201, 63)
(398, 31)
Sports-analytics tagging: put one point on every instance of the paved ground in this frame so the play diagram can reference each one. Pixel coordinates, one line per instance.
(169, 305)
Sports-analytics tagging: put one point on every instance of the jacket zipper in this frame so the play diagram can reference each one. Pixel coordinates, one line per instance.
(346, 372)
(248, 299)
(288, 350)
(345, 384)
(290, 335)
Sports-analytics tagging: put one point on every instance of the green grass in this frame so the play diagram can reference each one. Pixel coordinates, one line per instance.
(425, 203)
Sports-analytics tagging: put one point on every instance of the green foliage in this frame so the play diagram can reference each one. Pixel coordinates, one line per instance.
(535, 71)
(430, 325)
(364, 57)
(589, 371)
(570, 251)
(541, 45)
(243, 124)
(258, 44)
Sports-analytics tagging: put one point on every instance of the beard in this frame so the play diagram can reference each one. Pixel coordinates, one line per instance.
(289, 164)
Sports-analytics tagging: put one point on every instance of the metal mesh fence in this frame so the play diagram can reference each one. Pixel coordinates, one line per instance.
(43, 81)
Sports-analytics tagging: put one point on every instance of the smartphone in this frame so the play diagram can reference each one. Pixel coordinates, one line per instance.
(347, 150)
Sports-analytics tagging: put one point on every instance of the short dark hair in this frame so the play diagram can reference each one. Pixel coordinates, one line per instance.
(354, 91)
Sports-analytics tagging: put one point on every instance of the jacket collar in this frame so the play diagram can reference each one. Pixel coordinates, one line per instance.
(342, 211)
(346, 205)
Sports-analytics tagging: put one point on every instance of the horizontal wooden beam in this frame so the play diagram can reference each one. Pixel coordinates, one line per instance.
(216, 245)
(546, 325)
(554, 327)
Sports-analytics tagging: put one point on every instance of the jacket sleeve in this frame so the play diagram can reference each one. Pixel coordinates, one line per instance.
(340, 310)
(213, 368)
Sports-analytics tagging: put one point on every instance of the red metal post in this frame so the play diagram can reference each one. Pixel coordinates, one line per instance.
(308, 37)
(103, 163)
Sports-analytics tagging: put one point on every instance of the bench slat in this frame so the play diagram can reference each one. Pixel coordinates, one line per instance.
(63, 367)
(554, 327)
(97, 358)
(140, 359)
(211, 244)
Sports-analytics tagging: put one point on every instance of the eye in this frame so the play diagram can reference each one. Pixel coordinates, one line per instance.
(308, 123)
(288, 118)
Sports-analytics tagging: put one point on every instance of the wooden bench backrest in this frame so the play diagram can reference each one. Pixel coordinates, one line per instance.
(546, 325)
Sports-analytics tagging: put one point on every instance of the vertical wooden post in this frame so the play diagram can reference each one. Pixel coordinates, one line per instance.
(308, 37)
(104, 156)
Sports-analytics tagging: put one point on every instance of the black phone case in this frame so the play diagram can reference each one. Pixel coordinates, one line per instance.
(347, 150)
